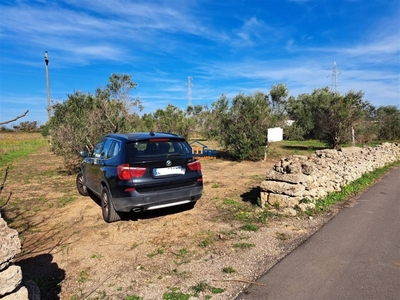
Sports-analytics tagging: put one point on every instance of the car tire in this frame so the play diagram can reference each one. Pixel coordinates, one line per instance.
(107, 207)
(80, 185)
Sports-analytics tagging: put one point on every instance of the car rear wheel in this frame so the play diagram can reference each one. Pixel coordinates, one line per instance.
(107, 207)
(80, 185)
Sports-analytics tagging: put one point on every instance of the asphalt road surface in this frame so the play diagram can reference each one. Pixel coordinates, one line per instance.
(355, 256)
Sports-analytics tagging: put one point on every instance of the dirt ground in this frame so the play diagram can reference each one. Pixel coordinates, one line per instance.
(205, 252)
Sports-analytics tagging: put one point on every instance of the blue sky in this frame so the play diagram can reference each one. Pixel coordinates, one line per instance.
(227, 47)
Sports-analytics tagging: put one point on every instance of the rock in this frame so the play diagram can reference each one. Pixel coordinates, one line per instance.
(10, 274)
(10, 244)
(10, 279)
(20, 294)
(282, 200)
(325, 171)
(289, 178)
(276, 187)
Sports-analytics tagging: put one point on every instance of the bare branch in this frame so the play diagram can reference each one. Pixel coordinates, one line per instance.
(15, 119)
(8, 200)
(4, 180)
(2, 186)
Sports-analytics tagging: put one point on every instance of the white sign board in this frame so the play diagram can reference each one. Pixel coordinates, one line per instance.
(275, 134)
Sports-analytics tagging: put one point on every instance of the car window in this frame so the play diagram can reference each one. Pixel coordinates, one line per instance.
(114, 149)
(146, 149)
(98, 149)
(106, 148)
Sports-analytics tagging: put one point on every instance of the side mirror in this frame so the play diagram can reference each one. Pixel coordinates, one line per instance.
(84, 154)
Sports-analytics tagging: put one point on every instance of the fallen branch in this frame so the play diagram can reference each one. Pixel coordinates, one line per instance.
(241, 280)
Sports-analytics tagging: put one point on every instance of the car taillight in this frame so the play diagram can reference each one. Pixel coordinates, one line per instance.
(126, 173)
(194, 166)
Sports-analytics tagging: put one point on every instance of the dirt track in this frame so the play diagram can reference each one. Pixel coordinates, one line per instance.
(204, 252)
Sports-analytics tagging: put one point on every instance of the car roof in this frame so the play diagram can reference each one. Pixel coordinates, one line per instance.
(137, 136)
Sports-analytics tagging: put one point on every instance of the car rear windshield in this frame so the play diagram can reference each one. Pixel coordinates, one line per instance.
(157, 147)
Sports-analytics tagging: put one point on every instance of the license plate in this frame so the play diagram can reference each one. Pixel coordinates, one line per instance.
(168, 171)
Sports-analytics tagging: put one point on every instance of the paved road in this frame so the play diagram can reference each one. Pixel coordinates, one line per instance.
(355, 256)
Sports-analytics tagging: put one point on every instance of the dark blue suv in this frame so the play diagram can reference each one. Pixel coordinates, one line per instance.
(140, 171)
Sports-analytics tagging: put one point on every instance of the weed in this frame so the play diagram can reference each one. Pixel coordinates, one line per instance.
(134, 297)
(243, 245)
(305, 200)
(159, 251)
(183, 252)
(83, 277)
(208, 238)
(249, 227)
(181, 255)
(205, 243)
(282, 236)
(200, 287)
(229, 201)
(96, 256)
(228, 270)
(175, 294)
(276, 205)
(214, 186)
(203, 287)
(183, 274)
(134, 245)
(65, 200)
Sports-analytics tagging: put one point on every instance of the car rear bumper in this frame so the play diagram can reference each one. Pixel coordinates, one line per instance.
(155, 200)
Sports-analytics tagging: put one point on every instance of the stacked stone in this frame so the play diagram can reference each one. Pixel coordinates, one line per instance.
(10, 274)
(298, 181)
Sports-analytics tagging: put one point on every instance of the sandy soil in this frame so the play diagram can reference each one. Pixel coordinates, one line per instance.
(71, 253)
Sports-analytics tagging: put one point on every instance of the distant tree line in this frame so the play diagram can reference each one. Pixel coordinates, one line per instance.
(239, 125)
(26, 126)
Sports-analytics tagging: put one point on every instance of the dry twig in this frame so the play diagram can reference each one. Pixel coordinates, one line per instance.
(2, 187)
(242, 280)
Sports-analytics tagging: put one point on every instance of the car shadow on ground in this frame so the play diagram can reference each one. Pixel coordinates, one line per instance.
(45, 273)
(149, 214)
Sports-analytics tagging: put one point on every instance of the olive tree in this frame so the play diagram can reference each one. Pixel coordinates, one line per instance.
(388, 121)
(242, 127)
(79, 122)
(173, 120)
(327, 115)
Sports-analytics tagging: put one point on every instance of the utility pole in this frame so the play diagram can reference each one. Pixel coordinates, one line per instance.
(46, 60)
(189, 83)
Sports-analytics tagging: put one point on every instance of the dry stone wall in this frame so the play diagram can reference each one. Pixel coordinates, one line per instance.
(11, 287)
(298, 181)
